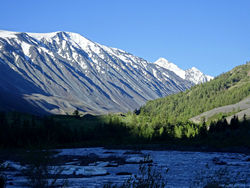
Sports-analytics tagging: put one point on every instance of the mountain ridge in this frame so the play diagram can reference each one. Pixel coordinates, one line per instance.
(59, 72)
(193, 74)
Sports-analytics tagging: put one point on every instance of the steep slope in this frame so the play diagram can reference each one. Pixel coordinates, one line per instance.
(226, 89)
(62, 71)
(194, 75)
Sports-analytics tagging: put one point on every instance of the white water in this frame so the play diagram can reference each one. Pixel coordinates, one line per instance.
(183, 167)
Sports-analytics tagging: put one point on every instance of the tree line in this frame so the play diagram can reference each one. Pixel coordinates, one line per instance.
(23, 131)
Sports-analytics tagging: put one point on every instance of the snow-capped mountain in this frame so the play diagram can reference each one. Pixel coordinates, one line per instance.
(162, 62)
(194, 75)
(63, 71)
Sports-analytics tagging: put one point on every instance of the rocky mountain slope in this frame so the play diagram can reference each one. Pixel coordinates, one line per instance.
(62, 71)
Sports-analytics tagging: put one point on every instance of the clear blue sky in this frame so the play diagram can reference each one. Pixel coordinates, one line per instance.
(212, 35)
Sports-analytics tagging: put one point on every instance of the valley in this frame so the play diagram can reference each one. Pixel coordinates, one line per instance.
(61, 90)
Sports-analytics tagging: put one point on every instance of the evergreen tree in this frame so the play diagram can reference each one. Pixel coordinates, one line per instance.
(76, 113)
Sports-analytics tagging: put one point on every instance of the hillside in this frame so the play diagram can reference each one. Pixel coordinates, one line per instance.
(240, 109)
(228, 88)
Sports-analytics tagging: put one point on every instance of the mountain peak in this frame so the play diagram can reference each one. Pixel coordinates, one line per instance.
(8, 34)
(193, 74)
(40, 36)
(162, 59)
(196, 76)
(195, 69)
(62, 35)
(162, 62)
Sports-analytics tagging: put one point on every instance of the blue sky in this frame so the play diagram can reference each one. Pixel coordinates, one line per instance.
(212, 35)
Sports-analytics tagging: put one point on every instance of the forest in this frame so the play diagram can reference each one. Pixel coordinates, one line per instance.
(27, 131)
(228, 88)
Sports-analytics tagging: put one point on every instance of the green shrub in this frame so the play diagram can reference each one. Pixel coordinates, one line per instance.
(148, 177)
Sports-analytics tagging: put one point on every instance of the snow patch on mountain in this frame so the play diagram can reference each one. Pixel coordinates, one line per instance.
(196, 76)
(162, 62)
(8, 34)
(26, 48)
(193, 74)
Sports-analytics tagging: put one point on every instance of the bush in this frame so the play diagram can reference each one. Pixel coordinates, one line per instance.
(41, 173)
(148, 177)
(219, 178)
(2, 181)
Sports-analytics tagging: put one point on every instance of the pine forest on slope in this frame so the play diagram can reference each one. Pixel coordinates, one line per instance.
(228, 88)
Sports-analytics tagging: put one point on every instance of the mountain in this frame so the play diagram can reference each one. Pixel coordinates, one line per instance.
(227, 89)
(194, 75)
(62, 71)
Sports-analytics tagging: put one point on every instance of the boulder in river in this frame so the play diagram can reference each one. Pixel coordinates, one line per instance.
(91, 171)
(13, 165)
(138, 159)
(104, 164)
(84, 170)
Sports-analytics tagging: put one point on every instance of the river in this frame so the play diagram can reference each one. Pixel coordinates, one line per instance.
(95, 167)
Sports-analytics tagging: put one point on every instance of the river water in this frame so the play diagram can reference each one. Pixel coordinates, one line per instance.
(94, 167)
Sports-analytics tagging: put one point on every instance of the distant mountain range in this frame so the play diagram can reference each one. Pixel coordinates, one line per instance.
(194, 75)
(63, 71)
